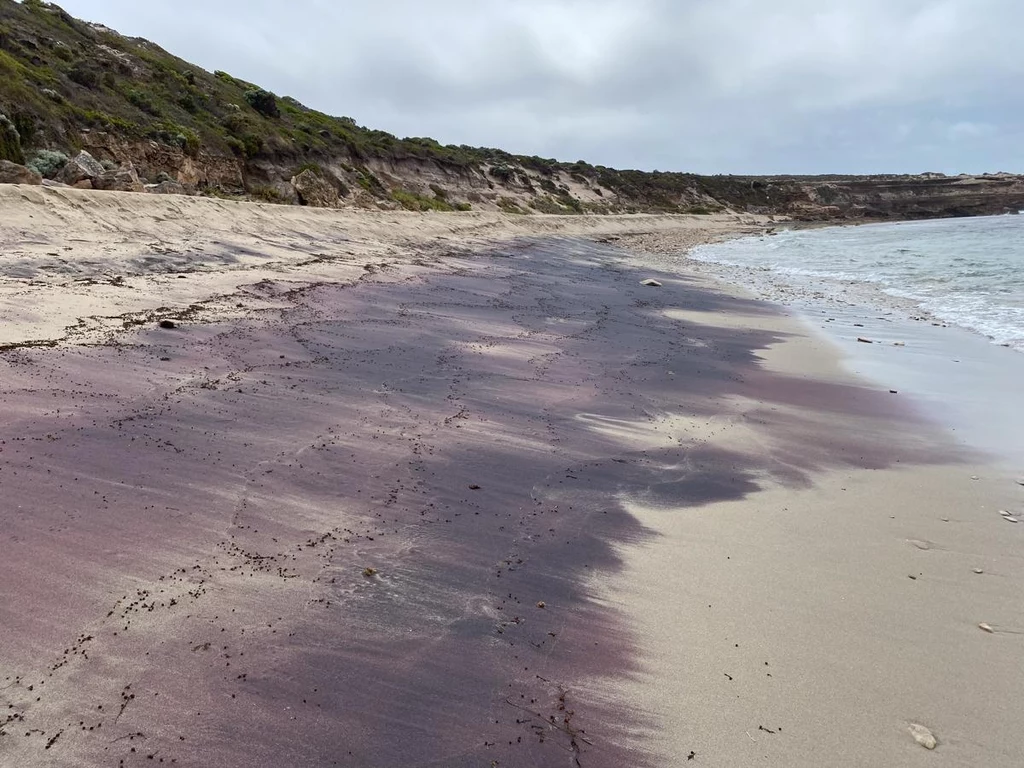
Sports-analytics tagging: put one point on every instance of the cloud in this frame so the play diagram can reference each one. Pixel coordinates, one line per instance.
(703, 85)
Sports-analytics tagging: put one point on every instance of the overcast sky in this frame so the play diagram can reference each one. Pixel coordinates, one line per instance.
(712, 86)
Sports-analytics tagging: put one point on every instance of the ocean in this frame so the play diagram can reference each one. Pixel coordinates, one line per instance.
(965, 272)
(940, 302)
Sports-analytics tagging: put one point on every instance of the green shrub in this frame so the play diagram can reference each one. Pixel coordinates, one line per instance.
(175, 135)
(46, 162)
(143, 101)
(503, 173)
(263, 102)
(110, 122)
(188, 102)
(509, 205)
(414, 202)
(314, 167)
(10, 141)
(371, 183)
(267, 195)
(86, 74)
(463, 207)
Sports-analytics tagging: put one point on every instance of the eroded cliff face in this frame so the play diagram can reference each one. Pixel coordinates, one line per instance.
(345, 181)
(910, 197)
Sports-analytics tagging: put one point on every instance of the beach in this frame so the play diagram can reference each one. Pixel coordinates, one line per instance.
(285, 486)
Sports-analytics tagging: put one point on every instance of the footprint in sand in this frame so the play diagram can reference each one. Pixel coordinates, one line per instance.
(919, 544)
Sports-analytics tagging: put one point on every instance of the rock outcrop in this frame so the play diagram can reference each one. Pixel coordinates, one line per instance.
(81, 171)
(123, 179)
(314, 190)
(12, 173)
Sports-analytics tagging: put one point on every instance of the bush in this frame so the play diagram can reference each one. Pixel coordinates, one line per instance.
(503, 173)
(174, 135)
(509, 205)
(10, 141)
(371, 183)
(263, 102)
(85, 74)
(267, 195)
(46, 162)
(413, 202)
(143, 101)
(314, 167)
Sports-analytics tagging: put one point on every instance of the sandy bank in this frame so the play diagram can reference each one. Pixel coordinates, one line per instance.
(78, 265)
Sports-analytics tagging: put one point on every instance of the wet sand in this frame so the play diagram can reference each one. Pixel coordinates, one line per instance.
(465, 506)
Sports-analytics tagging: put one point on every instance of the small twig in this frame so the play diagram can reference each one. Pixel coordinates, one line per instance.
(139, 735)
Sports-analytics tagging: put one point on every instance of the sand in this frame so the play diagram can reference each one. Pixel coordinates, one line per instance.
(458, 490)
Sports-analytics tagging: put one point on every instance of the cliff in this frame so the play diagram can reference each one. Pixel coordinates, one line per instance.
(154, 122)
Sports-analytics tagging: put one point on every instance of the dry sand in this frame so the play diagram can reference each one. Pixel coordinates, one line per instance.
(494, 503)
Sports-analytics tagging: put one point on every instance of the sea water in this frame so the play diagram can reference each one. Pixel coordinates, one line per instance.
(940, 302)
(967, 272)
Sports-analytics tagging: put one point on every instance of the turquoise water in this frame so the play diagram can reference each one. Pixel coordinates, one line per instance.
(967, 272)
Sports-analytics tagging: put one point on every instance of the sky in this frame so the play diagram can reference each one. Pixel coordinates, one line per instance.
(708, 86)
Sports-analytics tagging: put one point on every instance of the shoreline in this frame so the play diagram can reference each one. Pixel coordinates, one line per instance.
(469, 506)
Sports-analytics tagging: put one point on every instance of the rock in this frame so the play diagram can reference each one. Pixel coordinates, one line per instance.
(123, 179)
(83, 184)
(975, 477)
(977, 570)
(920, 544)
(1011, 519)
(899, 344)
(82, 167)
(862, 340)
(314, 190)
(169, 187)
(168, 324)
(986, 628)
(1004, 513)
(54, 184)
(923, 736)
(12, 173)
(651, 283)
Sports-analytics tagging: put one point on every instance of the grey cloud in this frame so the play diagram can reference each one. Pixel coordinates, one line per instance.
(704, 85)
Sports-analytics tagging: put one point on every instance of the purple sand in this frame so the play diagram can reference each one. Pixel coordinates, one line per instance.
(184, 541)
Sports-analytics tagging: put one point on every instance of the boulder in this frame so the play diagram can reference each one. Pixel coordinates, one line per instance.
(314, 190)
(82, 167)
(12, 173)
(123, 179)
(168, 187)
(54, 184)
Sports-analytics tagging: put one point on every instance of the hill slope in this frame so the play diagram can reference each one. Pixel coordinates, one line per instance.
(67, 85)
